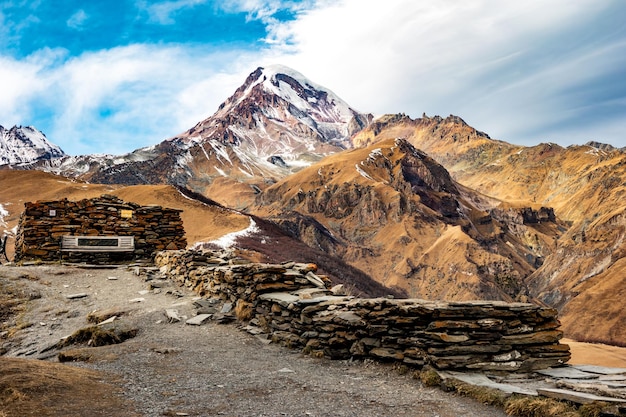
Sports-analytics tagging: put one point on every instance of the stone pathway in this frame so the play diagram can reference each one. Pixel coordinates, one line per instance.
(580, 384)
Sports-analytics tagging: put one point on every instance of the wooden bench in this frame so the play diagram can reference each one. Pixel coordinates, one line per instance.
(97, 243)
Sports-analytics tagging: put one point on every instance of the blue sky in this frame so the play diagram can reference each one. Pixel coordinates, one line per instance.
(112, 76)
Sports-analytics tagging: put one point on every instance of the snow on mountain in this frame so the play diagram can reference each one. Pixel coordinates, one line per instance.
(278, 112)
(308, 97)
(275, 123)
(24, 144)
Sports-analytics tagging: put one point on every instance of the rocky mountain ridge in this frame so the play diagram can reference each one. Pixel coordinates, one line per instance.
(274, 124)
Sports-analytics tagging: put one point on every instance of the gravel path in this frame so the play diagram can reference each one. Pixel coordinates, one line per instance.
(173, 369)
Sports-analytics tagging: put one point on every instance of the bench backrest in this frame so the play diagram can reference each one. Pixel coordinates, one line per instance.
(98, 243)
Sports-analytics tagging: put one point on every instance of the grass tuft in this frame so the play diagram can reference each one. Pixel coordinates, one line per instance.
(485, 395)
(429, 377)
(243, 310)
(538, 407)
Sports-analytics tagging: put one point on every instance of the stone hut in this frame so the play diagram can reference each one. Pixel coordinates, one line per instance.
(43, 224)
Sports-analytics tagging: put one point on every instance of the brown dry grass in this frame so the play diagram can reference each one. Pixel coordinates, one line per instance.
(37, 388)
(539, 407)
(596, 354)
(516, 405)
(597, 314)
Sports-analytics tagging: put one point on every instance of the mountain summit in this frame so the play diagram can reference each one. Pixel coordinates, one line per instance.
(274, 124)
(281, 117)
(25, 144)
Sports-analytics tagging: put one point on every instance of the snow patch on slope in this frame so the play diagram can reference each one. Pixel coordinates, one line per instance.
(230, 239)
(363, 173)
(3, 214)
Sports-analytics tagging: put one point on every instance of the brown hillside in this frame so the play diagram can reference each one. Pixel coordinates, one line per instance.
(585, 185)
(202, 222)
(395, 213)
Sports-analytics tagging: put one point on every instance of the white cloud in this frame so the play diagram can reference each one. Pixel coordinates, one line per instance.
(77, 20)
(484, 60)
(117, 100)
(22, 83)
(513, 70)
(162, 12)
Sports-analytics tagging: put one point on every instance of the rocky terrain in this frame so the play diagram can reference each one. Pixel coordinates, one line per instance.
(173, 368)
(128, 338)
(25, 144)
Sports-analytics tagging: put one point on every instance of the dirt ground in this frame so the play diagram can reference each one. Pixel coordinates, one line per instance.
(172, 368)
(596, 354)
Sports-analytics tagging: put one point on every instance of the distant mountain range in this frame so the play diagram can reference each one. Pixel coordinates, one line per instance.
(429, 206)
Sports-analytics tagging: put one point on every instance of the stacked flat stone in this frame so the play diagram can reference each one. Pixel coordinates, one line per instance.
(295, 307)
(43, 223)
(480, 335)
(218, 275)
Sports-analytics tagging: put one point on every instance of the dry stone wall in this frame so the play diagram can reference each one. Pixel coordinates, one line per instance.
(296, 307)
(43, 223)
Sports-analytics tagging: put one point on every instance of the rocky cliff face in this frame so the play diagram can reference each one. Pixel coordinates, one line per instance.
(397, 214)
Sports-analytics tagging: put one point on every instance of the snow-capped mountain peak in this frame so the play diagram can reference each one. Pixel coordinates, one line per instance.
(24, 144)
(305, 95)
(278, 111)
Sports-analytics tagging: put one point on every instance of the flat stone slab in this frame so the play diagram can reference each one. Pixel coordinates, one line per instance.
(576, 397)
(612, 378)
(172, 315)
(315, 280)
(199, 319)
(281, 298)
(308, 293)
(323, 299)
(76, 296)
(567, 372)
(481, 380)
(107, 321)
(603, 370)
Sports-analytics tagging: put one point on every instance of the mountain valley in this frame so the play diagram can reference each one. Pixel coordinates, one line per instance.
(428, 207)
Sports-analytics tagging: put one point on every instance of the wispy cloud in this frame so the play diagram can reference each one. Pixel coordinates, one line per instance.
(163, 12)
(77, 20)
(117, 100)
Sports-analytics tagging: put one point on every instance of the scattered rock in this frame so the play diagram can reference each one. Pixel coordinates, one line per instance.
(199, 319)
(107, 321)
(172, 315)
(76, 296)
(99, 316)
